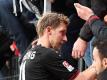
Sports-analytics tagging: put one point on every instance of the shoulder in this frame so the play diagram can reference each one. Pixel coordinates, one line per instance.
(47, 54)
(41, 54)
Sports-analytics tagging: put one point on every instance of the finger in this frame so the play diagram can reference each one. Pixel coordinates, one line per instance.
(79, 54)
(77, 5)
(75, 54)
(82, 54)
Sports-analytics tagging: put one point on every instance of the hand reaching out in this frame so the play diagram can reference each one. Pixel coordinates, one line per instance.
(79, 48)
(83, 11)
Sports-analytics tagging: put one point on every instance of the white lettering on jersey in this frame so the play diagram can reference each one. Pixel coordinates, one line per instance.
(22, 71)
(68, 66)
(32, 56)
(29, 55)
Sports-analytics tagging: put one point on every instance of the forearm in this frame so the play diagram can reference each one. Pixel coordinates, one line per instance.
(93, 26)
(88, 74)
(85, 32)
(98, 27)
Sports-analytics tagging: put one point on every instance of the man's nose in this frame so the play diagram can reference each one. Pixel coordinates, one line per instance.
(65, 38)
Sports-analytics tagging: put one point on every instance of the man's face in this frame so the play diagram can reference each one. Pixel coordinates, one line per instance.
(97, 60)
(58, 36)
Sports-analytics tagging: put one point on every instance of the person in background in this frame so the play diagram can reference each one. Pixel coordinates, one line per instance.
(12, 24)
(100, 58)
(93, 26)
(6, 54)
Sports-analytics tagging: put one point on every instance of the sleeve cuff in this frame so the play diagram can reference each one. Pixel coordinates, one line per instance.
(92, 18)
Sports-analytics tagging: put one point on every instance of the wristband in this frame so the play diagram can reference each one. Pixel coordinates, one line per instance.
(92, 18)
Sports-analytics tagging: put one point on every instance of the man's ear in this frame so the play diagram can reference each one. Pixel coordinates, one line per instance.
(49, 30)
(105, 63)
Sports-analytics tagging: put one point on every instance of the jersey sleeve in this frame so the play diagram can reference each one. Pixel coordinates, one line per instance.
(54, 63)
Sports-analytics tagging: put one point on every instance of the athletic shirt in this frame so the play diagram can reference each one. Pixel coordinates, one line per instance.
(42, 63)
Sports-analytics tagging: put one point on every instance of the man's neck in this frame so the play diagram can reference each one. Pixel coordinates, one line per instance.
(44, 41)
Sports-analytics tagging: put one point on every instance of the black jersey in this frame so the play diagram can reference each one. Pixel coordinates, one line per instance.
(42, 63)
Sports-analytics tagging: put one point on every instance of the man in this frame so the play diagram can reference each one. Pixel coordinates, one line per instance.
(100, 58)
(93, 26)
(43, 61)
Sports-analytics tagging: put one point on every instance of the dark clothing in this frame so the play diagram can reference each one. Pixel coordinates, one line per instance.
(99, 7)
(11, 22)
(5, 42)
(94, 26)
(42, 63)
(102, 75)
(64, 6)
(85, 2)
(17, 25)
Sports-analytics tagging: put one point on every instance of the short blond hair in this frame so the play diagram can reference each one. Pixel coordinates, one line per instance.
(50, 19)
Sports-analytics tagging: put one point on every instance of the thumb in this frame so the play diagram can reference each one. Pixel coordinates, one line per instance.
(77, 7)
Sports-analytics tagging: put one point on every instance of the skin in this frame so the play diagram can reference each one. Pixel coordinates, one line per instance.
(58, 36)
(105, 19)
(99, 62)
(53, 38)
(83, 12)
(79, 48)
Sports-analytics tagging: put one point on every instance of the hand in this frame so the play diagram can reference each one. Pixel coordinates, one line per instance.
(79, 48)
(83, 12)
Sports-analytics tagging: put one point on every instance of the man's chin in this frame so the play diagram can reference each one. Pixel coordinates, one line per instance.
(57, 48)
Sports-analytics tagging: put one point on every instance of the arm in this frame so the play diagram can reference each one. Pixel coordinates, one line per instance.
(98, 27)
(80, 45)
(85, 35)
(88, 74)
